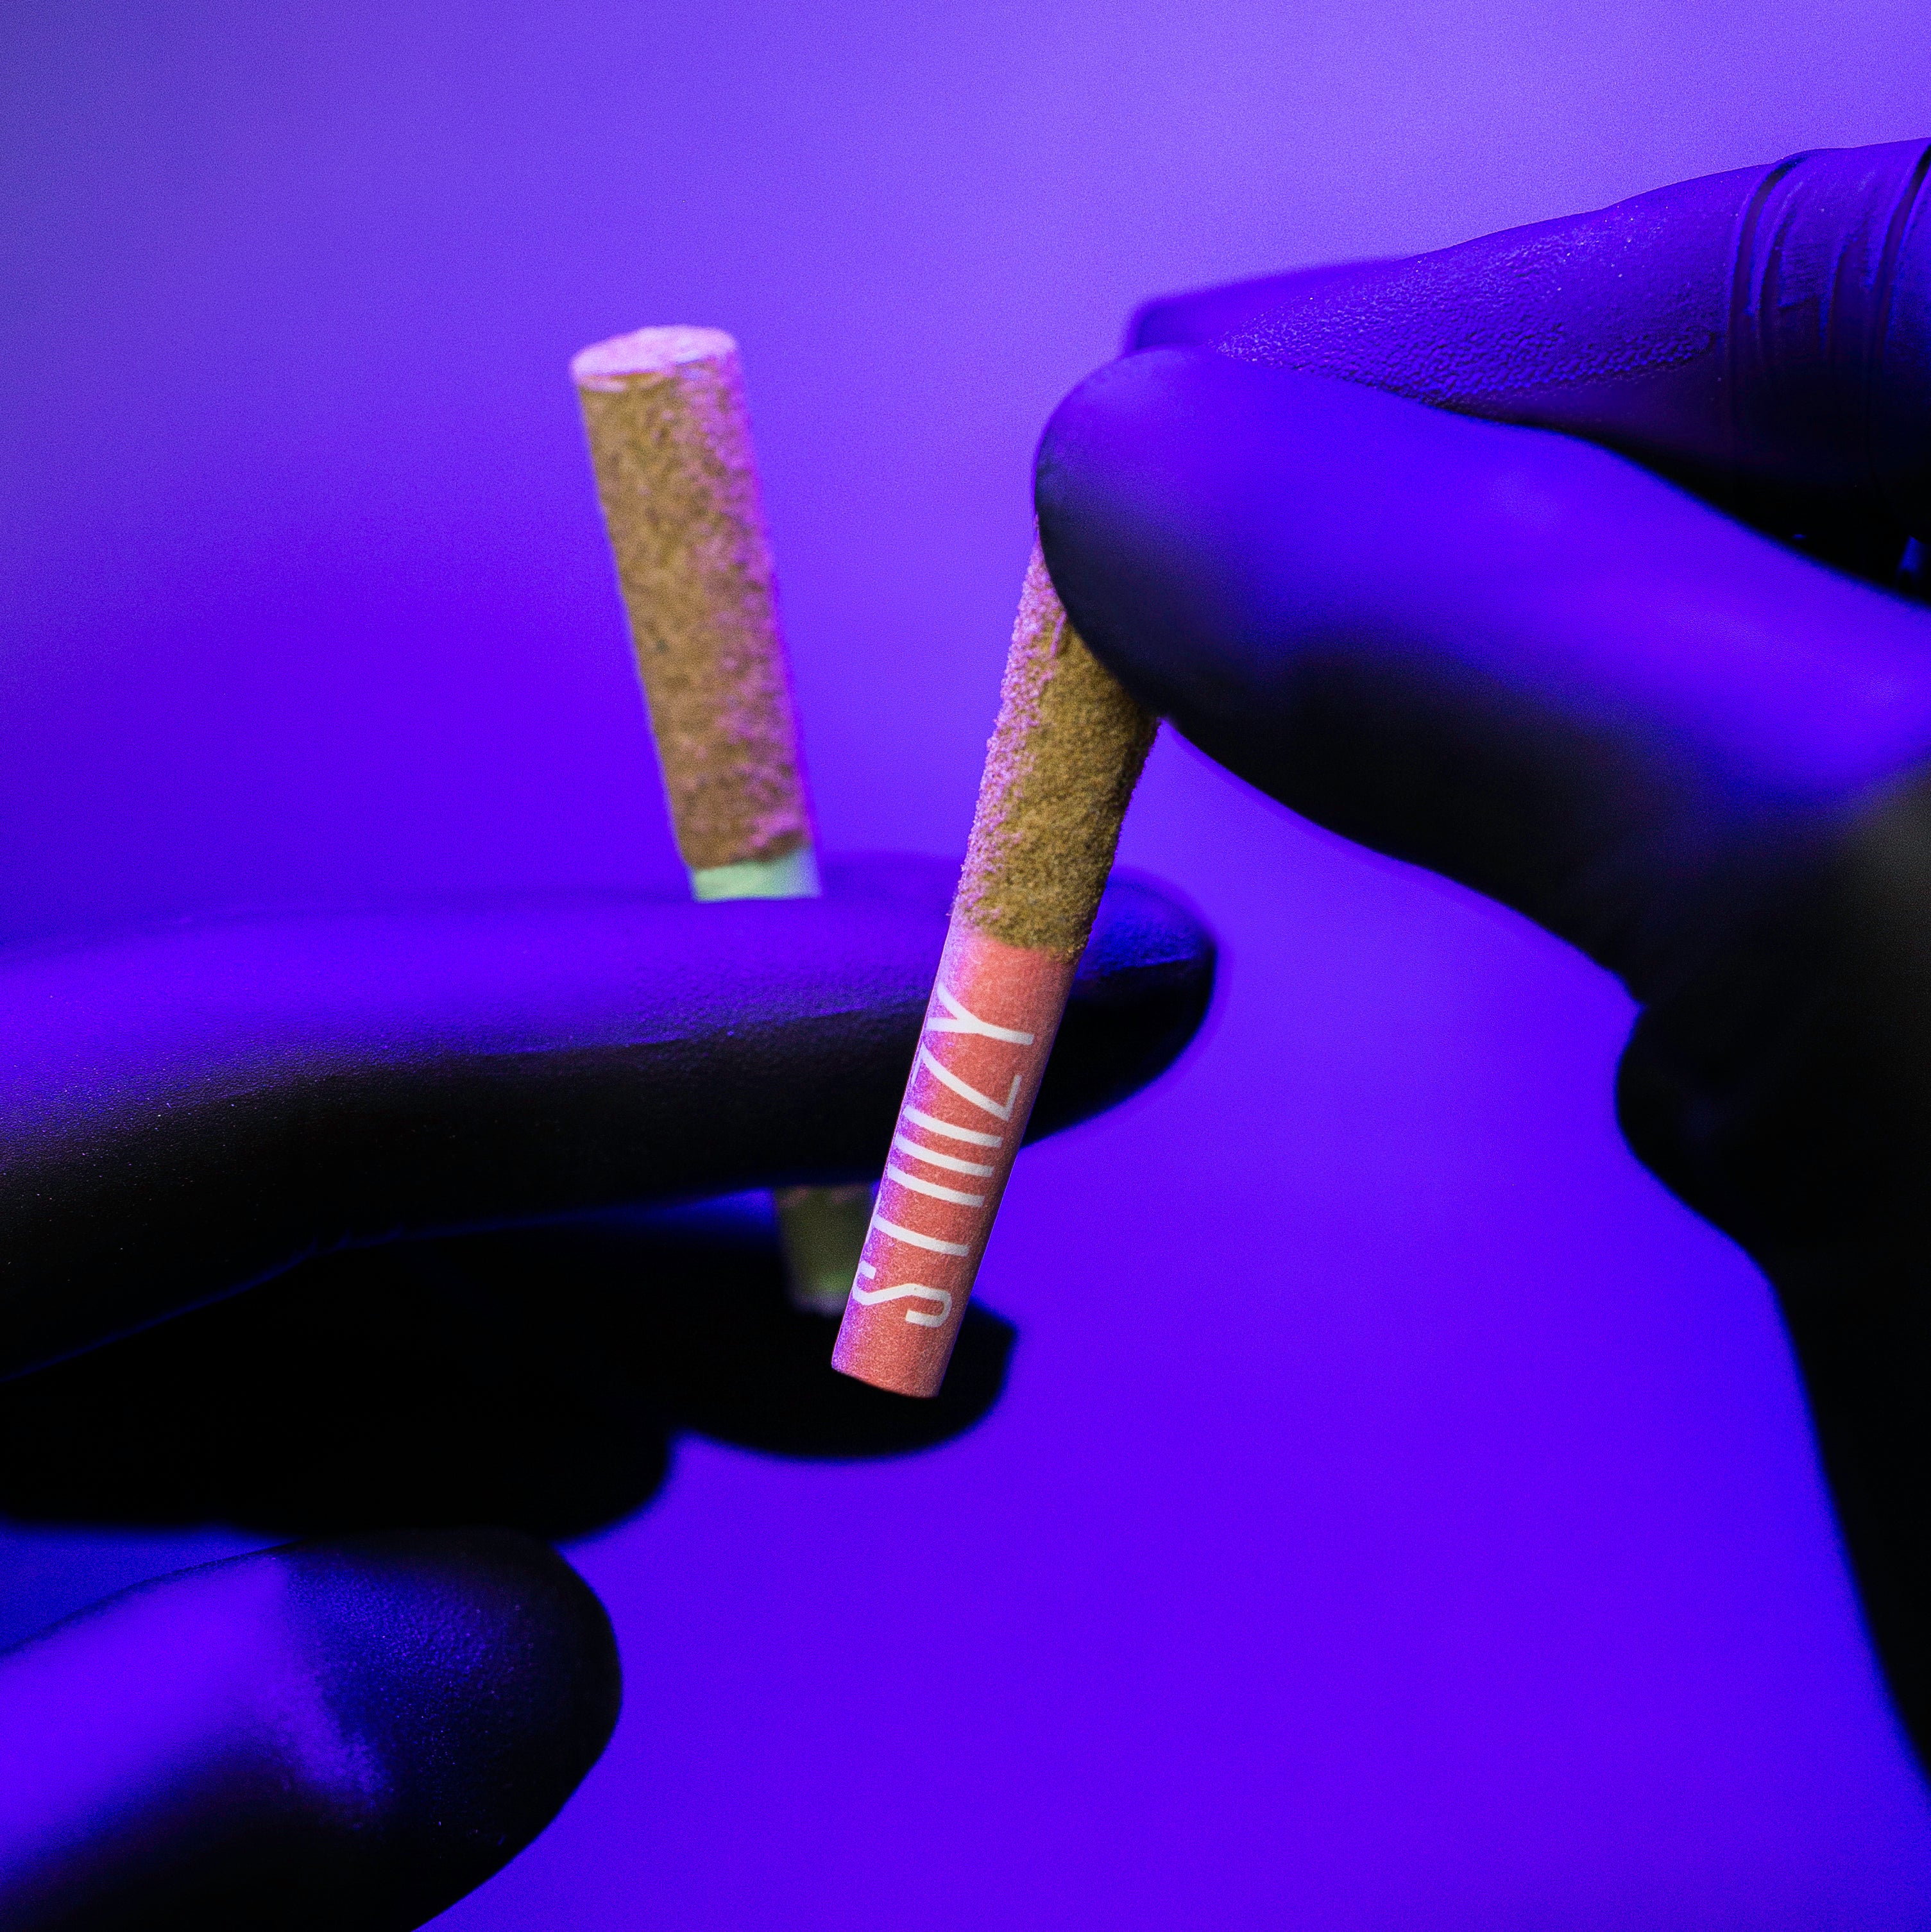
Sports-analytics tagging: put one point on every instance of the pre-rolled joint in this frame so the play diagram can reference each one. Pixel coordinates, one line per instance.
(1062, 764)
(670, 441)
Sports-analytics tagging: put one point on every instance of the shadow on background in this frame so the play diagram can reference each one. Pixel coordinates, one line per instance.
(534, 1379)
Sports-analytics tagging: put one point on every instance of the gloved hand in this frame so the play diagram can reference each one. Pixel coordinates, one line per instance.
(1697, 751)
(358, 1730)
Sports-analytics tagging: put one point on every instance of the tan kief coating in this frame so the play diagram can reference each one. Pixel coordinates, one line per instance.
(1061, 765)
(672, 451)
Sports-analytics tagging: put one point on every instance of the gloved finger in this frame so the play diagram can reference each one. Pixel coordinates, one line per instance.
(533, 1378)
(740, 1363)
(348, 1733)
(1506, 656)
(188, 1112)
(1764, 336)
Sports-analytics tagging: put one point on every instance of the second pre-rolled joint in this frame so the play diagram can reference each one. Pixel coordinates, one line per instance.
(670, 441)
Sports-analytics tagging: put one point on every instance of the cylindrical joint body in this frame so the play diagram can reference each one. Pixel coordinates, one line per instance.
(670, 440)
(1059, 769)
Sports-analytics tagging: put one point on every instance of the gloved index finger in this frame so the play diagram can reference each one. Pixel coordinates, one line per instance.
(1502, 655)
(188, 1112)
(1763, 335)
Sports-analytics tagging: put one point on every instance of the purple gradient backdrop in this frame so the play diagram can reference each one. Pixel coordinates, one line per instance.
(1480, 1576)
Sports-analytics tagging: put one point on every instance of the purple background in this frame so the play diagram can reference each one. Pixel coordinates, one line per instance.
(1401, 1514)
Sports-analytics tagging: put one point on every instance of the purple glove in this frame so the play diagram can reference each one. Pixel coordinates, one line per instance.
(357, 1732)
(353, 1733)
(1520, 659)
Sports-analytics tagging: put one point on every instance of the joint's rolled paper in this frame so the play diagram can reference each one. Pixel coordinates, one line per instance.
(670, 443)
(1062, 761)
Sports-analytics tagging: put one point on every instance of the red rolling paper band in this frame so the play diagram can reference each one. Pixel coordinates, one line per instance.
(988, 1030)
